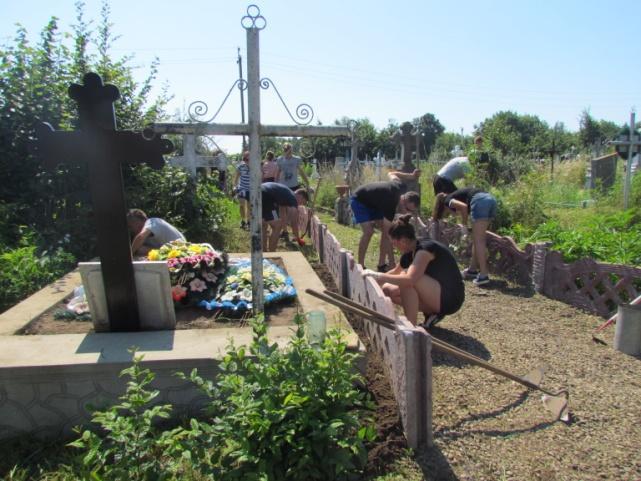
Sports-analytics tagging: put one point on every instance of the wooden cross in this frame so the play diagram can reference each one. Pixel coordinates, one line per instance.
(253, 22)
(105, 149)
(407, 136)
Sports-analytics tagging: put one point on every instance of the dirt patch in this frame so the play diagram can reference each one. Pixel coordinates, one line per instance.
(280, 314)
(487, 427)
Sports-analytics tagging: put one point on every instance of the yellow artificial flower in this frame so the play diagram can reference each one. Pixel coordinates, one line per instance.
(173, 254)
(153, 255)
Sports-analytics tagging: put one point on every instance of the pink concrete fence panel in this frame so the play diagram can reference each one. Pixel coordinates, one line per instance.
(597, 287)
(334, 257)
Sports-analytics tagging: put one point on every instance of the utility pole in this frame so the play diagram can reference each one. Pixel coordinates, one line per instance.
(242, 95)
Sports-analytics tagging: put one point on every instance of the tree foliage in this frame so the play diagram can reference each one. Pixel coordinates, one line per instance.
(33, 87)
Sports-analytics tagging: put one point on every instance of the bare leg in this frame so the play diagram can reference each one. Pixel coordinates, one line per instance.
(244, 209)
(366, 236)
(410, 301)
(292, 216)
(393, 292)
(386, 249)
(276, 227)
(479, 228)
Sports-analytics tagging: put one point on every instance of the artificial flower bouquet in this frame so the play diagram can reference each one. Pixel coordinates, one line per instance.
(195, 270)
(236, 291)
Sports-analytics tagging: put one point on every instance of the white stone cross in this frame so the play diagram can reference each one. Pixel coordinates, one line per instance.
(191, 161)
(633, 145)
(253, 23)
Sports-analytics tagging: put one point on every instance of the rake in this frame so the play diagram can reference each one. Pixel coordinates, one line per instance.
(555, 402)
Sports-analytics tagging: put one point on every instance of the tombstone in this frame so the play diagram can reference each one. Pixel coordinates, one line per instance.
(342, 209)
(153, 286)
(99, 144)
(603, 171)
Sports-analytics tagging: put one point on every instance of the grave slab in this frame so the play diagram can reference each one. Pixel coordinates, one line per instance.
(84, 368)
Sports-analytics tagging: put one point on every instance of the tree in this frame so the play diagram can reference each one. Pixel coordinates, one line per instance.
(33, 87)
(593, 131)
(429, 128)
(507, 132)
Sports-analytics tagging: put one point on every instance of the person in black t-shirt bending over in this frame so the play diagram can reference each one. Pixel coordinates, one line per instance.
(374, 205)
(427, 277)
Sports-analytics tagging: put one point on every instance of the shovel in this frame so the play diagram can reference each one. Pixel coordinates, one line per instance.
(555, 402)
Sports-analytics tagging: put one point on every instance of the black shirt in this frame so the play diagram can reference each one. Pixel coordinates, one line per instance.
(382, 196)
(443, 268)
(463, 195)
(275, 193)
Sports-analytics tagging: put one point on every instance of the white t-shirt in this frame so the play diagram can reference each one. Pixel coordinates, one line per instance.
(455, 168)
(161, 232)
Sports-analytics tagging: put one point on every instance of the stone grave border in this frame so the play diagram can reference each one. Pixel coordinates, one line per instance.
(406, 352)
(47, 381)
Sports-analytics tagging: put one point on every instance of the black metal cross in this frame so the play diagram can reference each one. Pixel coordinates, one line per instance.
(105, 150)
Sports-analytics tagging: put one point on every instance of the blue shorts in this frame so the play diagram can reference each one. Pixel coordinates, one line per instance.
(243, 194)
(362, 213)
(482, 207)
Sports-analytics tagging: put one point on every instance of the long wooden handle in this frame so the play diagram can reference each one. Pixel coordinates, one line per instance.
(440, 345)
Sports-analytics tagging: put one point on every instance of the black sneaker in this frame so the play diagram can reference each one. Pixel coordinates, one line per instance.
(481, 280)
(469, 273)
(430, 321)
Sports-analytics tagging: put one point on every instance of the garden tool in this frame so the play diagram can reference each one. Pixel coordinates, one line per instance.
(555, 402)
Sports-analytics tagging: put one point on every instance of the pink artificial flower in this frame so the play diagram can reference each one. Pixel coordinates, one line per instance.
(197, 285)
(210, 276)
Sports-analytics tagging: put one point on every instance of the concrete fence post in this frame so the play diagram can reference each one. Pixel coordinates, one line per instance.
(539, 258)
(627, 337)
(322, 230)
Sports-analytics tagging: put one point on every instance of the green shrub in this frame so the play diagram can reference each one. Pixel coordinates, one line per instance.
(24, 270)
(196, 206)
(129, 446)
(283, 414)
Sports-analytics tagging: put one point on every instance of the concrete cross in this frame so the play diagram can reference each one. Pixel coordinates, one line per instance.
(407, 136)
(632, 145)
(105, 149)
(191, 161)
(253, 23)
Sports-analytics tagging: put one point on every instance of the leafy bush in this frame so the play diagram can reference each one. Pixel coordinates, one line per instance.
(196, 206)
(608, 238)
(129, 446)
(283, 414)
(24, 270)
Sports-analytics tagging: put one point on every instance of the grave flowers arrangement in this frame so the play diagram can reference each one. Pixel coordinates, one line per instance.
(236, 291)
(195, 270)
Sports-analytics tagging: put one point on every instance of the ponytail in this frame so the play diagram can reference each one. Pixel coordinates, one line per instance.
(402, 227)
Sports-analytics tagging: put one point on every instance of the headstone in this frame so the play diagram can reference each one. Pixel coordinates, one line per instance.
(603, 171)
(155, 304)
(407, 138)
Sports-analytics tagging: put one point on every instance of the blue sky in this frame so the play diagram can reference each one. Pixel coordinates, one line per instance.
(462, 61)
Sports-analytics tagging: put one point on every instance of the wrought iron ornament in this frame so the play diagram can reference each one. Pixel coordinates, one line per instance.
(303, 111)
(253, 19)
(199, 109)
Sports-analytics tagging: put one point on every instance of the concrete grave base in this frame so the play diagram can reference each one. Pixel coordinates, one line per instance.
(47, 381)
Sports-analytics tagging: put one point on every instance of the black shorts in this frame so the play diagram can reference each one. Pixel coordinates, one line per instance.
(451, 299)
(442, 184)
(270, 211)
(269, 179)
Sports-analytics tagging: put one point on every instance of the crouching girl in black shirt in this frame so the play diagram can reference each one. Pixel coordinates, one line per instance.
(427, 277)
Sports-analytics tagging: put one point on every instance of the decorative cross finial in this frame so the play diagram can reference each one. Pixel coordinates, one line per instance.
(95, 102)
(253, 19)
